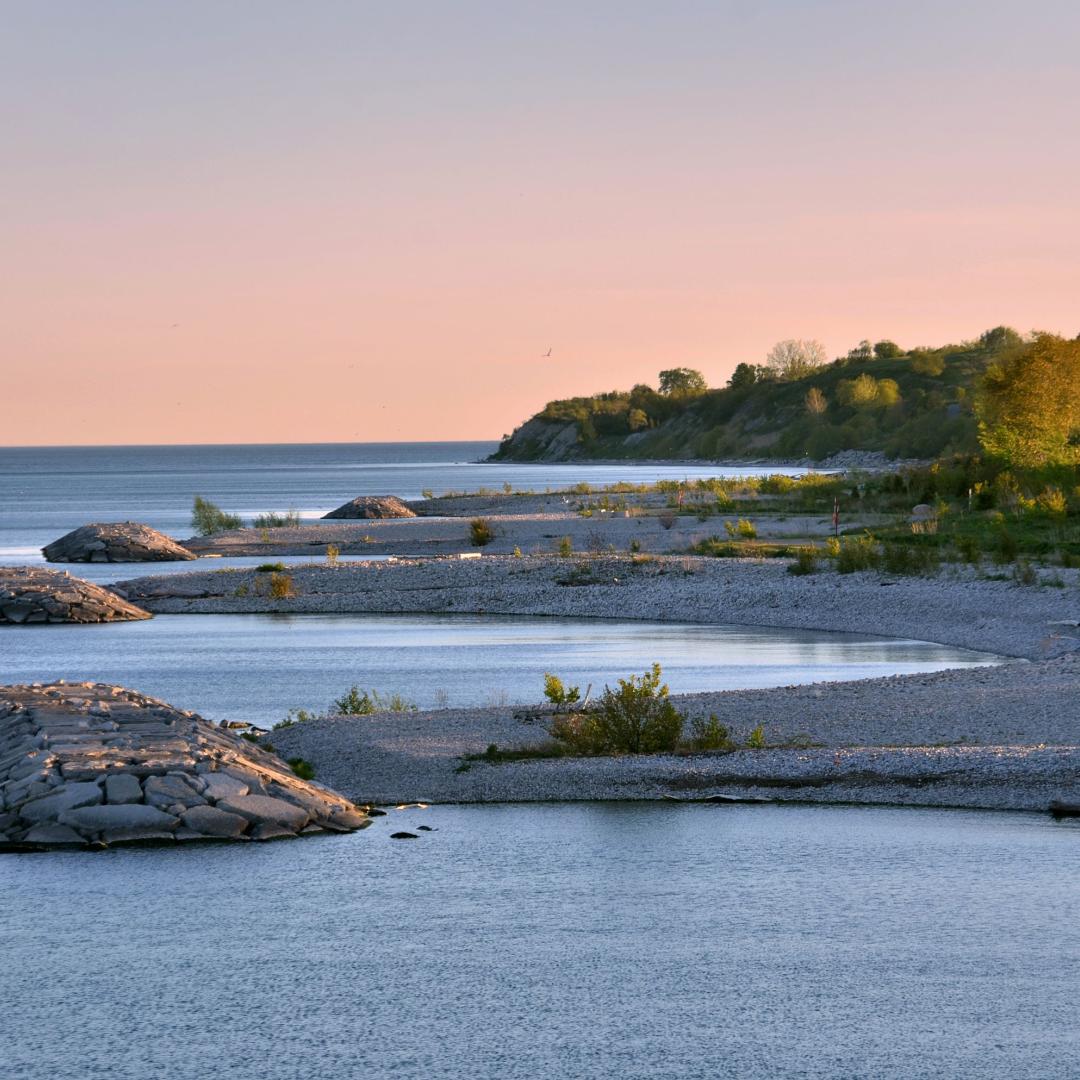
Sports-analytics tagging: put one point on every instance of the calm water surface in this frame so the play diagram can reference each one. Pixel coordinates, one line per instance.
(257, 667)
(47, 491)
(649, 941)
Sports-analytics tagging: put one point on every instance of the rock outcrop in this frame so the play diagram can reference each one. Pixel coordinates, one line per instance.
(372, 506)
(32, 594)
(118, 541)
(86, 765)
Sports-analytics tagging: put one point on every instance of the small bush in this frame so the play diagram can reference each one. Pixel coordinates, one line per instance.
(805, 562)
(709, 734)
(968, 549)
(289, 519)
(304, 769)
(207, 519)
(516, 552)
(270, 568)
(756, 739)
(908, 559)
(357, 702)
(634, 718)
(635, 546)
(281, 586)
(1007, 548)
(296, 716)
(480, 532)
(1024, 573)
(565, 547)
(332, 553)
(858, 553)
(667, 518)
(559, 695)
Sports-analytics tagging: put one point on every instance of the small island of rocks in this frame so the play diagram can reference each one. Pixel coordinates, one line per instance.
(118, 541)
(372, 506)
(32, 594)
(87, 765)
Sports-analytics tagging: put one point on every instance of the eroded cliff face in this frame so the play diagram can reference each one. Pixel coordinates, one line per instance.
(542, 440)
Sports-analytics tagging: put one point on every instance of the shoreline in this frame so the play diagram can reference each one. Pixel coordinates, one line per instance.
(999, 737)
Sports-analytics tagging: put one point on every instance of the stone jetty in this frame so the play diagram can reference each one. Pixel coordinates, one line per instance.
(87, 765)
(117, 541)
(33, 594)
(372, 506)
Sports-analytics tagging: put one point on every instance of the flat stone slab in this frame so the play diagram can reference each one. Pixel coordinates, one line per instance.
(118, 541)
(31, 595)
(86, 765)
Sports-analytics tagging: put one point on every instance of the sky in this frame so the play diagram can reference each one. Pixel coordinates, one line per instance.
(255, 221)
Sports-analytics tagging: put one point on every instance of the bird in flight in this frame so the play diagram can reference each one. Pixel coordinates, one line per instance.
(548, 353)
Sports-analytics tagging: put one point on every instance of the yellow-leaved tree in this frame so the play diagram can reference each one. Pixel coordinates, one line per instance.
(1028, 403)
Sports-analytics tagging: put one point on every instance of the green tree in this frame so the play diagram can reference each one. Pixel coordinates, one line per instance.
(1028, 403)
(887, 350)
(636, 420)
(681, 382)
(1000, 338)
(743, 375)
(860, 392)
(925, 362)
(862, 352)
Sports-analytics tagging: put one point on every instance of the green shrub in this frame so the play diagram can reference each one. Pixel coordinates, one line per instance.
(565, 547)
(304, 769)
(968, 549)
(290, 519)
(207, 519)
(480, 532)
(756, 739)
(805, 562)
(270, 568)
(857, 553)
(1024, 573)
(636, 717)
(332, 553)
(357, 702)
(559, 695)
(908, 559)
(709, 734)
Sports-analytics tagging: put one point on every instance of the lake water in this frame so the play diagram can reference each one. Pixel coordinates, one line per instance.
(659, 942)
(256, 667)
(48, 491)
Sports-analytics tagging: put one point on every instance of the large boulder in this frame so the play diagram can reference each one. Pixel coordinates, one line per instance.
(372, 506)
(32, 594)
(89, 765)
(118, 541)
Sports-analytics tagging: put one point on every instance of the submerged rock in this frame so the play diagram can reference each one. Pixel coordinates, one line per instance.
(119, 541)
(89, 765)
(32, 594)
(372, 506)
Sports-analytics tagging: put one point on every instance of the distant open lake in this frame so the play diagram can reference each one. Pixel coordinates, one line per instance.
(48, 491)
(629, 941)
(256, 667)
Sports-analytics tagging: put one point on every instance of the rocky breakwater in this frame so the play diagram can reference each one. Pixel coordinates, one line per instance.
(86, 765)
(30, 594)
(119, 541)
(372, 506)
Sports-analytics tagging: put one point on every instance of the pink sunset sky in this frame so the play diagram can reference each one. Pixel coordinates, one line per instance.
(252, 221)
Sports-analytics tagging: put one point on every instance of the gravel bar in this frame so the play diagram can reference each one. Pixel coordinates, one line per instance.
(1003, 737)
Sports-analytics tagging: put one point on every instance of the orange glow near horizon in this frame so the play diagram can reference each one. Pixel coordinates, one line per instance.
(265, 224)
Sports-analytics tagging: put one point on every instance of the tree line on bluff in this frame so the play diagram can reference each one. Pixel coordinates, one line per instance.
(1018, 396)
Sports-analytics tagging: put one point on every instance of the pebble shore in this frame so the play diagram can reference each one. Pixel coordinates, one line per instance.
(1005, 737)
